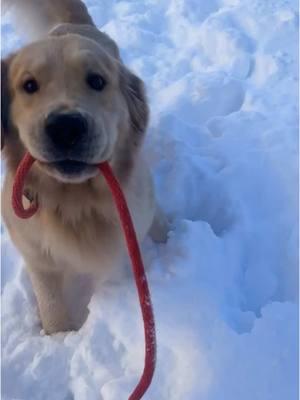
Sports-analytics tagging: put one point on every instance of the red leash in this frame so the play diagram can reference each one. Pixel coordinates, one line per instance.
(134, 252)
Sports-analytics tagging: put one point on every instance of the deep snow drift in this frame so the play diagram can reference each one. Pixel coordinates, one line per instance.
(223, 147)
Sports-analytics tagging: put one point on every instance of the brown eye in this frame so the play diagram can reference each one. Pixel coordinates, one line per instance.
(96, 82)
(31, 86)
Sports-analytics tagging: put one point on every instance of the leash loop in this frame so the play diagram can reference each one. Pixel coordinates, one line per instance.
(18, 189)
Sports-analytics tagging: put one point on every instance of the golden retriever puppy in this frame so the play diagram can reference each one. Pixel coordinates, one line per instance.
(68, 99)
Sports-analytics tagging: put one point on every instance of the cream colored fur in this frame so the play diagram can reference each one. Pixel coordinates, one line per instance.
(76, 230)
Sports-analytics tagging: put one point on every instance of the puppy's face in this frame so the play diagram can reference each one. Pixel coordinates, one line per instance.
(69, 103)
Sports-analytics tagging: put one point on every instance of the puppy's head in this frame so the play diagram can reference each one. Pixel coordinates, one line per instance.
(72, 105)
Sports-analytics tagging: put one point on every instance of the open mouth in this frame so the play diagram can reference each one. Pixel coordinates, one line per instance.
(70, 170)
(71, 167)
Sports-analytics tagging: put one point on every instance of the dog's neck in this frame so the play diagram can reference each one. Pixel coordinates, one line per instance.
(72, 202)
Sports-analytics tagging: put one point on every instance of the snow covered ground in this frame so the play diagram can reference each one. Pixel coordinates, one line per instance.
(223, 147)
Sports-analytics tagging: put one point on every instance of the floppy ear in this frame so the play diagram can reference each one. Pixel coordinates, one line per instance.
(134, 93)
(5, 100)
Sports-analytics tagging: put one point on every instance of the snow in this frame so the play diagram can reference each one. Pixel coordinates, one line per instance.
(223, 148)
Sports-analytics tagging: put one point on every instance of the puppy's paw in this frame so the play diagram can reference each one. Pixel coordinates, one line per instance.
(57, 325)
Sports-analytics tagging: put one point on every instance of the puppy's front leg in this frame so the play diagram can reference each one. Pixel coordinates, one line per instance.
(48, 288)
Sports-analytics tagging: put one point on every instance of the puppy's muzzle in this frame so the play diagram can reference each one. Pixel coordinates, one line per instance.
(66, 130)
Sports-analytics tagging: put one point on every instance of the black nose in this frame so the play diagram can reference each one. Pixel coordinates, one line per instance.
(66, 129)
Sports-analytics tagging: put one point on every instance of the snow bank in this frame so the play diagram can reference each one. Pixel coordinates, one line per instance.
(223, 147)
